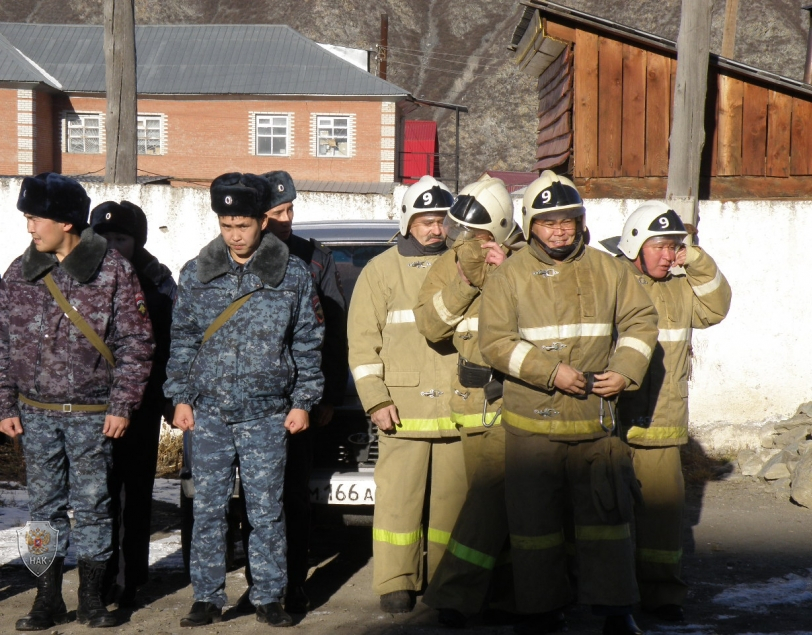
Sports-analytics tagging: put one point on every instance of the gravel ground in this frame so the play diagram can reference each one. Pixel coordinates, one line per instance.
(748, 561)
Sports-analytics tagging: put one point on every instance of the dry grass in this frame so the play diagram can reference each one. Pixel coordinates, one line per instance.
(700, 467)
(12, 462)
(170, 451)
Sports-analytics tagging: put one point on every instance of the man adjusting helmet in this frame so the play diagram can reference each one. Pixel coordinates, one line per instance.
(654, 419)
(480, 226)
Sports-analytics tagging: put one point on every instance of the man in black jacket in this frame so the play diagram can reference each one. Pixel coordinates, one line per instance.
(135, 455)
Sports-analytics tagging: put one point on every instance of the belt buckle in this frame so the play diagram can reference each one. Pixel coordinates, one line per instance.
(66, 407)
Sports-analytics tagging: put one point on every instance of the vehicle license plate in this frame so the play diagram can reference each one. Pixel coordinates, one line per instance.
(342, 488)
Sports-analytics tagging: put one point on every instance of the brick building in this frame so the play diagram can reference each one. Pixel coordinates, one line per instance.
(211, 99)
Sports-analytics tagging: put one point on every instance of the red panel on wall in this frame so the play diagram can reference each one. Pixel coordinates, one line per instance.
(420, 150)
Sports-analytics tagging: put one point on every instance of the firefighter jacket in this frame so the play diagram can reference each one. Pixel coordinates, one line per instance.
(390, 360)
(44, 357)
(265, 359)
(657, 413)
(448, 308)
(587, 311)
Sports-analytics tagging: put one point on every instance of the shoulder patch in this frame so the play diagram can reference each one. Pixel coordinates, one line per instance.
(141, 304)
(317, 309)
(320, 247)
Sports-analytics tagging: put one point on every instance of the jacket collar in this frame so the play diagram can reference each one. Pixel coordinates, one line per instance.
(542, 255)
(149, 267)
(81, 264)
(270, 262)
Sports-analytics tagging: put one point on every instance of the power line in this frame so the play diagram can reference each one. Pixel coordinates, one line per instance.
(442, 70)
(439, 59)
(401, 48)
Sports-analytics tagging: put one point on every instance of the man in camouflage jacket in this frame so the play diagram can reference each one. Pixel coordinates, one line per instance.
(241, 389)
(57, 390)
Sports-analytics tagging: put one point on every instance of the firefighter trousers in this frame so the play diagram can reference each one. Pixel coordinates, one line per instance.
(472, 557)
(658, 526)
(543, 480)
(401, 478)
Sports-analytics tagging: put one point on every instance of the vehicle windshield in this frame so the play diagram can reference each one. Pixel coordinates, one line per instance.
(350, 260)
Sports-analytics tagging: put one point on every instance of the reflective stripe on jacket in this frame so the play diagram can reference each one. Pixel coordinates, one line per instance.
(448, 308)
(587, 312)
(389, 359)
(657, 414)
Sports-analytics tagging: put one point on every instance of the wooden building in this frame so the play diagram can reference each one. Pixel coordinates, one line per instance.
(606, 100)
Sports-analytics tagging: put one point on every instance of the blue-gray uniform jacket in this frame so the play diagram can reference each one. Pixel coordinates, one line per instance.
(265, 359)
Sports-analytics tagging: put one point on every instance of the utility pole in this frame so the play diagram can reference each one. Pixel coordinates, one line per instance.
(688, 128)
(122, 102)
(383, 48)
(729, 35)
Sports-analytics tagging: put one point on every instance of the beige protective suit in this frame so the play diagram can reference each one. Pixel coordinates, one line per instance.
(655, 419)
(448, 309)
(588, 312)
(392, 362)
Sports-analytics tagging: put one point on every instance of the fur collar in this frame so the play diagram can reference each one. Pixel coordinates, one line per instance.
(81, 264)
(270, 262)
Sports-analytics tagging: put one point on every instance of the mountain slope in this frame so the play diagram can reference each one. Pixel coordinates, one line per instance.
(456, 51)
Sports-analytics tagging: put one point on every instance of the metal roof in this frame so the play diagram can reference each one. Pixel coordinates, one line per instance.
(344, 187)
(555, 10)
(192, 60)
(14, 67)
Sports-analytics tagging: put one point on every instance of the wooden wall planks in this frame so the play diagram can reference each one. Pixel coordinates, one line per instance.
(585, 116)
(779, 118)
(633, 135)
(658, 113)
(754, 130)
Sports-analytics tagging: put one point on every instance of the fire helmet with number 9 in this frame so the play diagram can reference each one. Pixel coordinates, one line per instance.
(651, 219)
(483, 205)
(427, 195)
(550, 196)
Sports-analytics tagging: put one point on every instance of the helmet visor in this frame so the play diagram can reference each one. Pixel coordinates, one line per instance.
(457, 232)
(468, 210)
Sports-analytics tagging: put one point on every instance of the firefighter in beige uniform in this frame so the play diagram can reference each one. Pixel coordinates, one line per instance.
(404, 384)
(478, 225)
(547, 320)
(654, 419)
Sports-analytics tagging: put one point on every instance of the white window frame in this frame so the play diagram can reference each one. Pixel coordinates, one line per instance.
(325, 127)
(272, 121)
(142, 129)
(75, 127)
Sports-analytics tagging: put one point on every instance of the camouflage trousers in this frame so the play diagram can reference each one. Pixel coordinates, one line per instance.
(260, 446)
(67, 461)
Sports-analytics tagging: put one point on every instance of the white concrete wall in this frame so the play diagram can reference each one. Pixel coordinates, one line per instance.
(754, 367)
(180, 218)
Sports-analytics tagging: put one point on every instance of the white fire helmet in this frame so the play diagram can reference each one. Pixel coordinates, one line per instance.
(652, 218)
(550, 196)
(482, 205)
(427, 195)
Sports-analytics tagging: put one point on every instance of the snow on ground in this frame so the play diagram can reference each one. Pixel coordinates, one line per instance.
(762, 596)
(164, 553)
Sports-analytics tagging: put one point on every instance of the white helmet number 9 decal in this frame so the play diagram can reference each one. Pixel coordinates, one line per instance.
(546, 196)
(427, 198)
(664, 223)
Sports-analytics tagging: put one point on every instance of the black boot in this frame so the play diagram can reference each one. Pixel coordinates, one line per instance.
(49, 607)
(92, 610)
(621, 625)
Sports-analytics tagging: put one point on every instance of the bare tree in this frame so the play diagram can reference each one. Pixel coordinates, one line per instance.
(120, 77)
